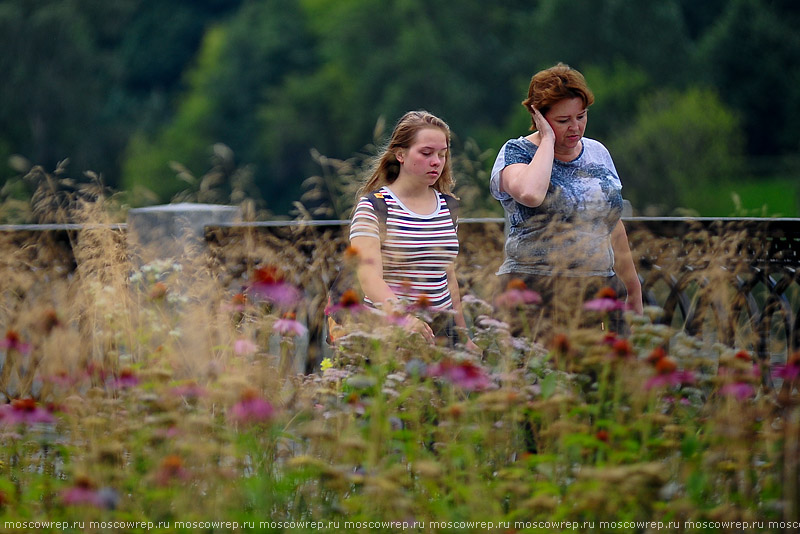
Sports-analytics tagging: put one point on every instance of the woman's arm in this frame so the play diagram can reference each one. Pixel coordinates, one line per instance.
(625, 268)
(527, 184)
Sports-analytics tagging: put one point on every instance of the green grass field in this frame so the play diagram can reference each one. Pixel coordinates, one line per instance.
(770, 197)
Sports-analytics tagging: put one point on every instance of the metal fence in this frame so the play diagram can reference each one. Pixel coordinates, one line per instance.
(732, 280)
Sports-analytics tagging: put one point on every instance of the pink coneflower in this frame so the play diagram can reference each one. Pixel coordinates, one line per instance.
(465, 374)
(94, 370)
(675, 378)
(236, 304)
(517, 294)
(349, 301)
(252, 409)
(740, 390)
(238, 301)
(656, 355)
(24, 412)
(126, 379)
(82, 493)
(244, 347)
(269, 285)
(13, 341)
(171, 469)
(789, 371)
(621, 348)
(605, 301)
(667, 372)
(289, 326)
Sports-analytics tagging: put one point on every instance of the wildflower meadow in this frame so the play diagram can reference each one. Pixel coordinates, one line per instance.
(187, 394)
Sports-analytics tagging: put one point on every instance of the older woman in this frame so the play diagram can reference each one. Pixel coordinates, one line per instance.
(562, 200)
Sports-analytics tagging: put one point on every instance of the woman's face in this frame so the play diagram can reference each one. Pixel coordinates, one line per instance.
(568, 120)
(426, 157)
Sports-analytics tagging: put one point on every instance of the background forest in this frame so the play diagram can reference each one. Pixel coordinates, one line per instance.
(220, 100)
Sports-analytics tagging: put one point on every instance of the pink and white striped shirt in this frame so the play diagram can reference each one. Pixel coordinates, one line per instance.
(416, 250)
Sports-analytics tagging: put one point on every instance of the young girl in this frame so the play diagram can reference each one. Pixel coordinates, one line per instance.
(408, 259)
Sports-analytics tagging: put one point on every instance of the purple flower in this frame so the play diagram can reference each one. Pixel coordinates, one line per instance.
(349, 301)
(79, 495)
(244, 347)
(126, 379)
(289, 327)
(517, 294)
(675, 378)
(252, 409)
(237, 304)
(605, 301)
(604, 305)
(12, 341)
(84, 493)
(464, 374)
(171, 469)
(791, 370)
(740, 390)
(25, 412)
(269, 286)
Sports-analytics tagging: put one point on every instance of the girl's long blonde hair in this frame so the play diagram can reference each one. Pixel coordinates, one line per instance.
(385, 168)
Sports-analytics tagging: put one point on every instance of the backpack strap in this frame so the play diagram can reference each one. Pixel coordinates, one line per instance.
(381, 210)
(452, 205)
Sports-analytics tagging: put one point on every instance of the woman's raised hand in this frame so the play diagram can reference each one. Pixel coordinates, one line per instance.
(543, 127)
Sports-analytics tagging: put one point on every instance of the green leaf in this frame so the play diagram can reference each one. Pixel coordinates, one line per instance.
(548, 385)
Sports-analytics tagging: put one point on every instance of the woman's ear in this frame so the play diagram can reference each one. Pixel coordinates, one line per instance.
(400, 155)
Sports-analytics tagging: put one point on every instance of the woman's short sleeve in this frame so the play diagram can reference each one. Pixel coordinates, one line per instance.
(513, 151)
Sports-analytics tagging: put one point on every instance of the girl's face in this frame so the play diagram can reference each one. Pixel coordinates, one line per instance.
(426, 157)
(568, 120)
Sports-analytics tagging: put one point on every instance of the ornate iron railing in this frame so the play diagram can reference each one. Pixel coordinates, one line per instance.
(732, 280)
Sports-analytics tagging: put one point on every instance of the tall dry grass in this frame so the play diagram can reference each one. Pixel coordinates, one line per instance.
(174, 390)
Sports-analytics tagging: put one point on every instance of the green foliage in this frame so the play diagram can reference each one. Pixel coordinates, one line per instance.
(762, 197)
(187, 139)
(125, 87)
(751, 56)
(679, 142)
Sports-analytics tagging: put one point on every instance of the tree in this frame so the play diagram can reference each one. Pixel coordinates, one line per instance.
(751, 55)
(52, 81)
(680, 140)
(650, 35)
(239, 61)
